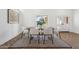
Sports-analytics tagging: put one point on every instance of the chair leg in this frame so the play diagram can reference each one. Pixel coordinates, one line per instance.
(52, 38)
(29, 41)
(44, 40)
(30, 38)
(22, 35)
(28, 35)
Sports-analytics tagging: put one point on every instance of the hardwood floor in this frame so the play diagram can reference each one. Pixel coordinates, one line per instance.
(67, 38)
(71, 38)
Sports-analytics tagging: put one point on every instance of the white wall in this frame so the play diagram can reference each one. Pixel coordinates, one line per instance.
(7, 31)
(29, 16)
(76, 21)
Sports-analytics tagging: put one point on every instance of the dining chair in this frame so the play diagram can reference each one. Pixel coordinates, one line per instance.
(57, 33)
(33, 33)
(25, 31)
(49, 32)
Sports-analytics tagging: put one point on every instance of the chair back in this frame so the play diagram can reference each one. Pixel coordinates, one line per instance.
(48, 30)
(34, 31)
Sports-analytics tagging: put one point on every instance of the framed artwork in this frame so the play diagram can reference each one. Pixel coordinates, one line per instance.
(66, 19)
(12, 16)
(62, 20)
(42, 20)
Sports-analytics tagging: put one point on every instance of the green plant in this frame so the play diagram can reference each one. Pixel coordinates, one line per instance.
(40, 22)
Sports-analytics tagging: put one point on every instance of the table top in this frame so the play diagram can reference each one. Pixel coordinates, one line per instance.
(45, 31)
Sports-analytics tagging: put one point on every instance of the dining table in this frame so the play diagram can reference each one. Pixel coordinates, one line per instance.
(49, 32)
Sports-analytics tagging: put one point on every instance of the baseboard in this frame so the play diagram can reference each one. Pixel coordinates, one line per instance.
(75, 33)
(64, 31)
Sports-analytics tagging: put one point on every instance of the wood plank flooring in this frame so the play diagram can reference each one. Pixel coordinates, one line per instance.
(71, 38)
(67, 40)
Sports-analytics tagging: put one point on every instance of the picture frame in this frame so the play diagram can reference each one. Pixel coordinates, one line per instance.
(45, 18)
(12, 16)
